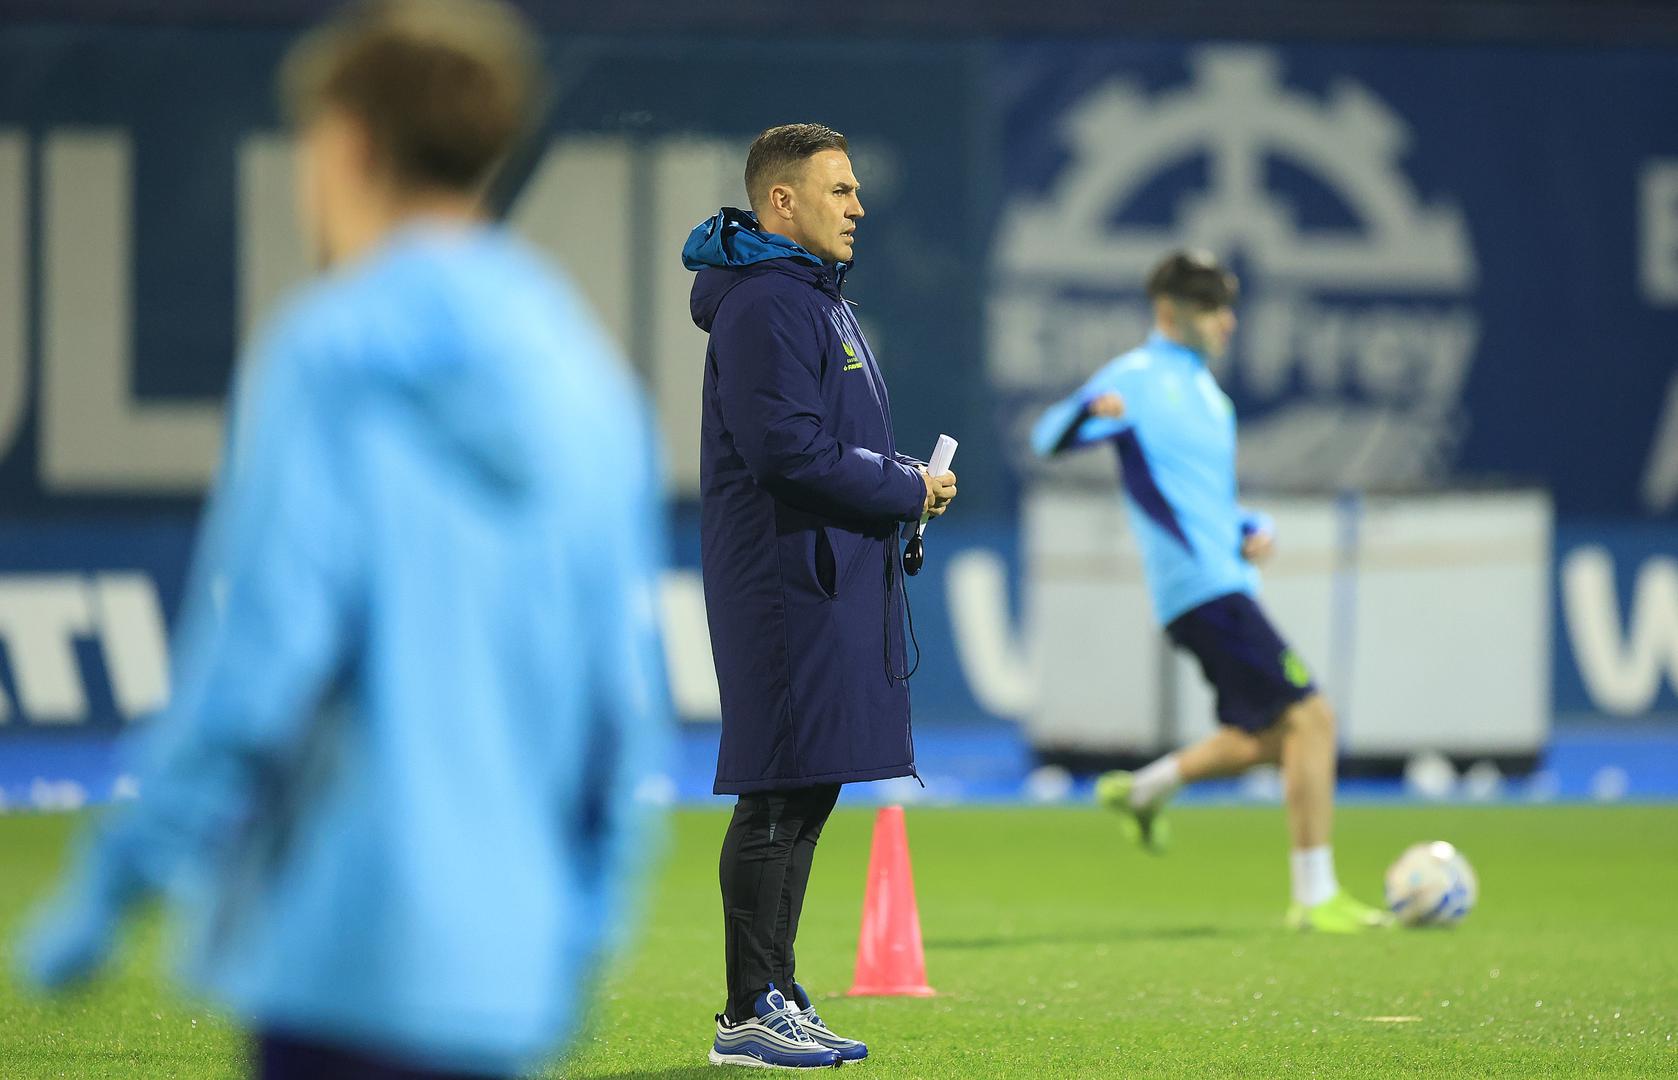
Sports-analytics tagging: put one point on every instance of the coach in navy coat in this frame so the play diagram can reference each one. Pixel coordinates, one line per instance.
(803, 494)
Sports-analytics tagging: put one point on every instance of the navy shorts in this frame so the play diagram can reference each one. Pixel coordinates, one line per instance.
(281, 1057)
(1252, 670)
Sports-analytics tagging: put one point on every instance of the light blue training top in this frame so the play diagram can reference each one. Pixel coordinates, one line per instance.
(1176, 450)
(418, 675)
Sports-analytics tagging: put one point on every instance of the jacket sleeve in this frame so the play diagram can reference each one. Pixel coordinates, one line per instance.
(261, 637)
(769, 389)
(1067, 424)
(630, 713)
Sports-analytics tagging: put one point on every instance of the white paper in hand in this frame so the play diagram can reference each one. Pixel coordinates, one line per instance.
(942, 455)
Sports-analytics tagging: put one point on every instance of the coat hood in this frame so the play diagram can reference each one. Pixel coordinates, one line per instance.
(730, 247)
(732, 237)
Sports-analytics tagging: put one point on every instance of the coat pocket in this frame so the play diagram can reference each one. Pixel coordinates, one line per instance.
(827, 564)
(849, 552)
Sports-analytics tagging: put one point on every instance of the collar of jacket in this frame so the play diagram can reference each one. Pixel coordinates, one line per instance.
(1159, 342)
(733, 239)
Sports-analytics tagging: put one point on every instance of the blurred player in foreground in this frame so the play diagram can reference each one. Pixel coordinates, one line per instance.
(417, 677)
(1174, 431)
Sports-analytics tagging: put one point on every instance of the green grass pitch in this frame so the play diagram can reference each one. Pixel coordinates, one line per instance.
(1057, 952)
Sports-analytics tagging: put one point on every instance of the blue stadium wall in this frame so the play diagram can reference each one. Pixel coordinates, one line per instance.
(1460, 253)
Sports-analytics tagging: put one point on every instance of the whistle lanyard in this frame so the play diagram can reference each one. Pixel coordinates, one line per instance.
(893, 582)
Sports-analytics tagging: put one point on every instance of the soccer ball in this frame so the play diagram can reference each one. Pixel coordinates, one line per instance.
(1431, 885)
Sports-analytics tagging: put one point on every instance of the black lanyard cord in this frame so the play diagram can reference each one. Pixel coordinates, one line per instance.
(892, 582)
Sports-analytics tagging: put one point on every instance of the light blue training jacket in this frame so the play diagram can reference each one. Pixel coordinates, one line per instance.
(418, 677)
(1176, 451)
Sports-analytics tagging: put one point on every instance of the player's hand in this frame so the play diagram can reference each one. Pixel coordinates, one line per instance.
(1258, 546)
(940, 490)
(1109, 406)
(67, 944)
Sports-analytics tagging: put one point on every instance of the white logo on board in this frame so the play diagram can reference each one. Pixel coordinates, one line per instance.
(1356, 339)
(1623, 672)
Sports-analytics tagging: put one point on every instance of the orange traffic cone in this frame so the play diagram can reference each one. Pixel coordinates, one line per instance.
(889, 958)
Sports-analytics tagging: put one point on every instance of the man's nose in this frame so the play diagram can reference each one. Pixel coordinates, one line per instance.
(856, 210)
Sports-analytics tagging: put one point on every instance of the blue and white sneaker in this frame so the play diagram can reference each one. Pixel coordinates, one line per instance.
(773, 1039)
(848, 1049)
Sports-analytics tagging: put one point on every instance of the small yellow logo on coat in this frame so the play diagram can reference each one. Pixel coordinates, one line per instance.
(851, 361)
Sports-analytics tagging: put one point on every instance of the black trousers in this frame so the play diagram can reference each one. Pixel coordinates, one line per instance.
(766, 859)
(281, 1057)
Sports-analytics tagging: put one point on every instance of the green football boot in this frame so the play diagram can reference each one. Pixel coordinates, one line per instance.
(1146, 827)
(1339, 914)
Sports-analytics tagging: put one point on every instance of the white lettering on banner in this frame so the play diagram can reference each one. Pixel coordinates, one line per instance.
(690, 179)
(14, 377)
(135, 642)
(95, 436)
(577, 207)
(1622, 675)
(1357, 332)
(56, 796)
(1658, 262)
(1660, 474)
(997, 664)
(581, 206)
(43, 615)
(273, 257)
(687, 647)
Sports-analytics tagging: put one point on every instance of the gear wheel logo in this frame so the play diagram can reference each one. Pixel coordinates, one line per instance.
(1356, 337)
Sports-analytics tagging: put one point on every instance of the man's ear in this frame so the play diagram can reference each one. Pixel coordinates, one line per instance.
(777, 201)
(345, 148)
(363, 154)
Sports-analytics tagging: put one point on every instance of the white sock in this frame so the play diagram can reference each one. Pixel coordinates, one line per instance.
(1155, 783)
(1313, 875)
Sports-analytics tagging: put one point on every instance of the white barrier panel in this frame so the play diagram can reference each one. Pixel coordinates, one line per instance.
(1425, 619)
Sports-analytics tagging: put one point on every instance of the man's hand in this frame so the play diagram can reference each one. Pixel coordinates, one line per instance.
(939, 491)
(1109, 406)
(1258, 546)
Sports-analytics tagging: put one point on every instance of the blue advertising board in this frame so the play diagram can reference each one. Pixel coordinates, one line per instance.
(1460, 266)
(1460, 263)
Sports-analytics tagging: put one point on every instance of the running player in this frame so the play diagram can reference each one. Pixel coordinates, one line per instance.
(1174, 431)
